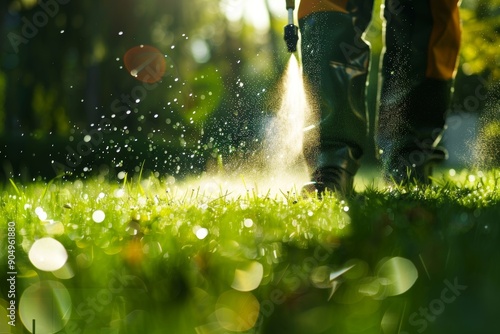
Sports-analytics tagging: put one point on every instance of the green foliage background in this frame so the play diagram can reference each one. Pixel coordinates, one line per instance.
(77, 55)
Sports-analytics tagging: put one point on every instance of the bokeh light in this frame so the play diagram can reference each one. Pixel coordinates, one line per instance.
(397, 275)
(237, 311)
(54, 227)
(98, 216)
(145, 63)
(247, 277)
(48, 254)
(201, 232)
(66, 272)
(48, 303)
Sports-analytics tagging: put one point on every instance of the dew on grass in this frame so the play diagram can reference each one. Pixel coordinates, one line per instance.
(49, 302)
(248, 222)
(42, 215)
(98, 216)
(200, 232)
(247, 276)
(133, 228)
(142, 201)
(119, 193)
(48, 254)
(121, 175)
(152, 248)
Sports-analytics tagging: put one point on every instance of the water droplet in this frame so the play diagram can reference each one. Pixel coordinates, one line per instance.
(133, 228)
(119, 193)
(201, 232)
(98, 216)
(42, 215)
(48, 254)
(152, 248)
(248, 222)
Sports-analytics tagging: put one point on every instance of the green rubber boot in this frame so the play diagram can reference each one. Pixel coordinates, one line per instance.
(335, 63)
(414, 99)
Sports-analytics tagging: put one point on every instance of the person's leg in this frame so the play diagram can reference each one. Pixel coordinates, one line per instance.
(422, 40)
(335, 62)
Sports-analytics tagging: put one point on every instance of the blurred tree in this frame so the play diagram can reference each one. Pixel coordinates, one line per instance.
(61, 66)
(481, 38)
(66, 62)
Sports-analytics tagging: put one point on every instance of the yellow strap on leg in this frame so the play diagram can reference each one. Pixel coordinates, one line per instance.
(307, 7)
(444, 43)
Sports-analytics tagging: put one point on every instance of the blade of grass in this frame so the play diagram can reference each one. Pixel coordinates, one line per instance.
(18, 192)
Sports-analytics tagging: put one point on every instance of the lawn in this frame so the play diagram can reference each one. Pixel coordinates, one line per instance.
(146, 255)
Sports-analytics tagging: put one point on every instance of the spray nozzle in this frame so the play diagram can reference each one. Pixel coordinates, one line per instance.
(291, 30)
(291, 37)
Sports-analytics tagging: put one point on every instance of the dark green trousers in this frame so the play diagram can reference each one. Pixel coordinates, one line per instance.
(421, 45)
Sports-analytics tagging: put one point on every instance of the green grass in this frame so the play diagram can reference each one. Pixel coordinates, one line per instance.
(197, 258)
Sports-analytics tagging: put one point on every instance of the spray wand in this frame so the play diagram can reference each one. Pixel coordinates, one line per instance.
(291, 30)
